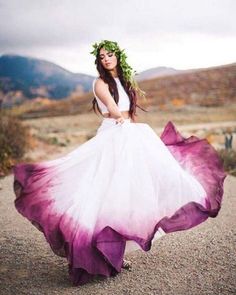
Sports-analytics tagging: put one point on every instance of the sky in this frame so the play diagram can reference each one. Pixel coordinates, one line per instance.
(182, 34)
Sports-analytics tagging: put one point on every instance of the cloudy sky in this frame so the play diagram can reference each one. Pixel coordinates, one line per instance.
(176, 33)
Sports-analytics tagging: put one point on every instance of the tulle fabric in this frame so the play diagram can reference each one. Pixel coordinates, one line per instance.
(119, 192)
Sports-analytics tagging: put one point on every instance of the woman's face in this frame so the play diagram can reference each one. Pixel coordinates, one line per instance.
(108, 59)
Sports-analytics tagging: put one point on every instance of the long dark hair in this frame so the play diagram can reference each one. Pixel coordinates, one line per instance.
(107, 78)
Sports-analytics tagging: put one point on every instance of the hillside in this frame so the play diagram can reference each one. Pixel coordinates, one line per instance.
(206, 87)
(23, 78)
(158, 72)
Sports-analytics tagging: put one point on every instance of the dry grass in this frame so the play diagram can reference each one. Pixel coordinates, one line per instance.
(59, 134)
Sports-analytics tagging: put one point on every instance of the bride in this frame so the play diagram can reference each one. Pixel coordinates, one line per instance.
(122, 189)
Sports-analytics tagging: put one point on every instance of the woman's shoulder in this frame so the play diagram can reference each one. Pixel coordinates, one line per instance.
(99, 87)
(98, 82)
(99, 79)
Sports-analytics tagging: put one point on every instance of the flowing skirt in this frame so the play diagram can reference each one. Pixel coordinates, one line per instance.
(119, 192)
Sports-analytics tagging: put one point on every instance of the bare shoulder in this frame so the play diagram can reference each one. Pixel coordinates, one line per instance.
(101, 90)
(99, 83)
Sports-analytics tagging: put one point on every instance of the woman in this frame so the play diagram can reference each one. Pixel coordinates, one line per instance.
(122, 189)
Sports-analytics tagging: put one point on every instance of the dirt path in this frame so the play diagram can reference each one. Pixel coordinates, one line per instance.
(198, 261)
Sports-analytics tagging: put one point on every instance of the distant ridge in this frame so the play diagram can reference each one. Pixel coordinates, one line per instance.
(168, 71)
(156, 72)
(25, 78)
(35, 77)
(214, 86)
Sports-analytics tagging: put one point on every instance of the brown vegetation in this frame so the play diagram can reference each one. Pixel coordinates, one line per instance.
(15, 140)
(205, 87)
(229, 159)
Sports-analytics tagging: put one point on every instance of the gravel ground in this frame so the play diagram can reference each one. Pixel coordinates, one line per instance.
(201, 260)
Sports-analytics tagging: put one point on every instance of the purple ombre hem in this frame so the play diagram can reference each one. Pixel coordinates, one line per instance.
(91, 253)
(201, 160)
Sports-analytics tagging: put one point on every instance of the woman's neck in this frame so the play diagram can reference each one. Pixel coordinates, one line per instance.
(114, 73)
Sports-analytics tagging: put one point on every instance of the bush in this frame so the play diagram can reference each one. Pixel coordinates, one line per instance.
(229, 158)
(14, 141)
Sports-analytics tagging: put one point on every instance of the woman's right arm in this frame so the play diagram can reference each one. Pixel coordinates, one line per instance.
(102, 92)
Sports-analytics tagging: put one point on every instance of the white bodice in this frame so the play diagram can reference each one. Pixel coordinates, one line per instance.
(124, 102)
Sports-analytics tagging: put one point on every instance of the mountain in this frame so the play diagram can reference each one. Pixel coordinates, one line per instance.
(213, 86)
(157, 72)
(202, 87)
(28, 78)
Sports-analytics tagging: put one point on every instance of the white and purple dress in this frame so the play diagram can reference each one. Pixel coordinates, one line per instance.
(118, 192)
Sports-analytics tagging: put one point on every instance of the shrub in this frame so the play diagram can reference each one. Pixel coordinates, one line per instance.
(229, 158)
(14, 141)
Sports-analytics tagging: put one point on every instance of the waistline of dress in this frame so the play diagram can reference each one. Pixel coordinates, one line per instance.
(114, 120)
(109, 122)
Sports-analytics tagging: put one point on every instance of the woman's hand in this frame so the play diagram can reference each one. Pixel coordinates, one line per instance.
(120, 120)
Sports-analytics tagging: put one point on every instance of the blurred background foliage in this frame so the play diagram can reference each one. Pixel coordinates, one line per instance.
(15, 140)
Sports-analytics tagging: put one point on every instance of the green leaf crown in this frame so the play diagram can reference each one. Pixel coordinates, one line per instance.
(127, 70)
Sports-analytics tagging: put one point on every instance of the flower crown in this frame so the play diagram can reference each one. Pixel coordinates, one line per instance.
(127, 70)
